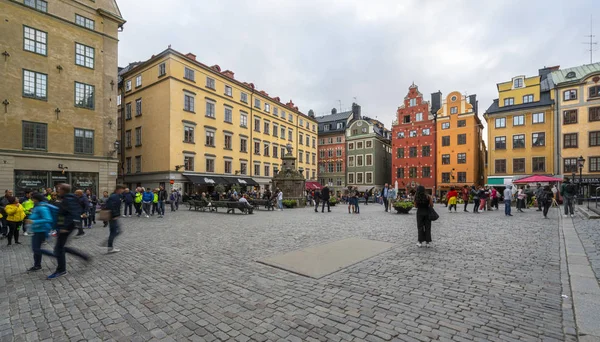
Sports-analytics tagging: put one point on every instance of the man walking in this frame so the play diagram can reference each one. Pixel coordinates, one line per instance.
(507, 200)
(162, 197)
(317, 198)
(128, 200)
(568, 191)
(113, 204)
(69, 215)
(539, 192)
(385, 196)
(325, 198)
(391, 197)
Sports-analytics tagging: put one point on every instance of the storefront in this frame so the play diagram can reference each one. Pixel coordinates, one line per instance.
(208, 183)
(589, 186)
(38, 181)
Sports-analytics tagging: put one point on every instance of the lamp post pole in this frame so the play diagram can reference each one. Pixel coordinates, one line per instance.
(580, 162)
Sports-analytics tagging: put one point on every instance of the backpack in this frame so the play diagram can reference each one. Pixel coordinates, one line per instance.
(571, 189)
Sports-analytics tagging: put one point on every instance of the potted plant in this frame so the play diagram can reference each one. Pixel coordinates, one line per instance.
(289, 203)
(332, 201)
(403, 207)
(220, 189)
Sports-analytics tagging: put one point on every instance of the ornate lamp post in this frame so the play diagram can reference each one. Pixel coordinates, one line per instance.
(580, 163)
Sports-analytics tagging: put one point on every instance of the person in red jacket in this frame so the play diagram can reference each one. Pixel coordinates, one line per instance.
(465, 196)
(451, 198)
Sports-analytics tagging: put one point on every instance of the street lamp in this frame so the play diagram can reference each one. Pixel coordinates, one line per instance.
(580, 162)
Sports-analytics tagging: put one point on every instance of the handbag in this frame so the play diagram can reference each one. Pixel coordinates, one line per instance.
(104, 215)
(433, 215)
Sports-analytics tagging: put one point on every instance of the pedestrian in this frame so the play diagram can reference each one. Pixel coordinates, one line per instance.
(128, 200)
(27, 204)
(41, 223)
(325, 194)
(173, 199)
(15, 217)
(391, 198)
(528, 195)
(69, 216)
(507, 200)
(137, 201)
(3, 221)
(568, 191)
(366, 197)
(495, 198)
(351, 206)
(280, 199)
(93, 199)
(147, 199)
(521, 196)
(465, 197)
(84, 205)
(451, 197)
(423, 202)
(113, 205)
(482, 198)
(546, 197)
(177, 199)
(555, 195)
(103, 201)
(539, 191)
(384, 194)
(162, 198)
(317, 199)
(155, 201)
(475, 193)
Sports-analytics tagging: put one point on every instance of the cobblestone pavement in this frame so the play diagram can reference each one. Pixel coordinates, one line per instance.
(193, 276)
(589, 234)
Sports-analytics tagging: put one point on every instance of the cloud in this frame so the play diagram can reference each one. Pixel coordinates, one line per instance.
(318, 52)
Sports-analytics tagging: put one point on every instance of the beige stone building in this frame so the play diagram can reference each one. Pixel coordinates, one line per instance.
(58, 94)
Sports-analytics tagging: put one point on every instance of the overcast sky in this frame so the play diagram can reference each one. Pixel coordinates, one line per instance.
(317, 52)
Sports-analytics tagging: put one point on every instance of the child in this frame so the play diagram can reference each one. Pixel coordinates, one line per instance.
(15, 218)
(451, 199)
(41, 224)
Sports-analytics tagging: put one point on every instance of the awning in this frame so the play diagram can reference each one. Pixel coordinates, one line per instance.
(205, 180)
(243, 181)
(537, 179)
(495, 181)
(312, 185)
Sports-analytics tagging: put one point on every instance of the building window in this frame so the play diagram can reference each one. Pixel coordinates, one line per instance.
(138, 81)
(400, 152)
(267, 129)
(519, 141)
(257, 169)
(538, 139)
(228, 142)
(188, 103)
(500, 122)
(138, 107)
(412, 172)
(244, 97)
(243, 119)
(368, 177)
(509, 101)
(446, 140)
(162, 69)
(538, 164)
(359, 145)
(412, 102)
(128, 165)
(369, 144)
(519, 165)
(412, 152)
(188, 163)
(84, 95)
(290, 134)
(500, 165)
(210, 165)
(307, 140)
(570, 140)
(329, 153)
(35, 85)
(243, 168)
(594, 92)
(569, 95)
(594, 138)
(445, 159)
(244, 145)
(462, 158)
(359, 160)
(426, 151)
(138, 164)
(338, 166)
(275, 151)
(128, 138)
(257, 148)
(538, 118)
(210, 83)
(138, 136)
(190, 74)
(400, 172)
(445, 125)
(35, 136)
(453, 110)
(267, 151)
(210, 109)
(128, 85)
(426, 172)
(462, 139)
(257, 124)
(301, 138)
(426, 131)
(84, 55)
(594, 114)
(275, 130)
(528, 98)
(290, 117)
(350, 178)
(570, 117)
(228, 115)
(462, 123)
(128, 111)
(518, 82)
(518, 120)
(445, 177)
(257, 103)
(188, 134)
(267, 107)
(35, 40)
(351, 161)
(39, 5)
(570, 165)
(275, 111)
(314, 159)
(412, 134)
(400, 135)
(419, 117)
(594, 164)
(210, 138)
(462, 177)
(228, 166)
(500, 143)
(359, 178)
(282, 131)
(228, 91)
(267, 171)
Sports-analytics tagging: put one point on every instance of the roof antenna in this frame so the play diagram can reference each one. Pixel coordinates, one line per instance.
(340, 101)
(591, 43)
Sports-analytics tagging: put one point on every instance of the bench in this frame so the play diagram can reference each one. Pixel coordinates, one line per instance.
(231, 206)
(196, 205)
(256, 203)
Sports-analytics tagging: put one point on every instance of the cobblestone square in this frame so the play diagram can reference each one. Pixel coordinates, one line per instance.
(194, 276)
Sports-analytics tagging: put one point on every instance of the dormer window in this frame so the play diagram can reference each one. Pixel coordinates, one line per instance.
(518, 82)
(412, 102)
(571, 74)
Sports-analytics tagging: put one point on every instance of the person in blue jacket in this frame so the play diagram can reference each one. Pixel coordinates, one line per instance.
(41, 223)
(128, 199)
(147, 199)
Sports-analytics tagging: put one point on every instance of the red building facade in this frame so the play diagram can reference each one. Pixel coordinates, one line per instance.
(413, 144)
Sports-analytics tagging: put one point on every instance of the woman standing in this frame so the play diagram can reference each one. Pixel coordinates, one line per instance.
(521, 200)
(423, 202)
(15, 218)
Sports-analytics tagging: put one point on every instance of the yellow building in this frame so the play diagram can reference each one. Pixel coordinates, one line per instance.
(577, 93)
(194, 124)
(58, 90)
(521, 129)
(458, 142)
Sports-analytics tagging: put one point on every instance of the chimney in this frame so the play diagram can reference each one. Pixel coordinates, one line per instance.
(190, 56)
(436, 102)
(473, 102)
(547, 70)
(333, 111)
(229, 74)
(216, 67)
(290, 104)
(356, 111)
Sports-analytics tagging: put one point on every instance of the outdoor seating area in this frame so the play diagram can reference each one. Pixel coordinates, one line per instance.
(214, 206)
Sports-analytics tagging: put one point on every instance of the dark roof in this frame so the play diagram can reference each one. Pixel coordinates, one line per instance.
(544, 101)
(334, 117)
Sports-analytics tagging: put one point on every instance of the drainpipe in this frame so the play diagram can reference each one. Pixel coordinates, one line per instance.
(557, 135)
(122, 137)
(251, 140)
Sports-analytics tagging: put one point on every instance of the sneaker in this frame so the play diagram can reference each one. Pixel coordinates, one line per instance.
(113, 250)
(566, 215)
(147, 216)
(26, 234)
(419, 244)
(160, 216)
(56, 275)
(572, 215)
(54, 233)
(34, 268)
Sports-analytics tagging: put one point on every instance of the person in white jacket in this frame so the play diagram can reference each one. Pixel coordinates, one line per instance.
(280, 200)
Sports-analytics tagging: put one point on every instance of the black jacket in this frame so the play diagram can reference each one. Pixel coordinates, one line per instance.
(69, 212)
(162, 195)
(114, 205)
(325, 193)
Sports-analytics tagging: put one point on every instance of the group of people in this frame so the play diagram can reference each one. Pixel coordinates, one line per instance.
(233, 195)
(62, 211)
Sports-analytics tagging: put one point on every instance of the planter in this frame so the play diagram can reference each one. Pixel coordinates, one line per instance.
(401, 210)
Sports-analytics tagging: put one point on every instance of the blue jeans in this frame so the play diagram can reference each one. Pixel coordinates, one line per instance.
(280, 204)
(161, 208)
(568, 203)
(507, 207)
(36, 246)
(114, 231)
